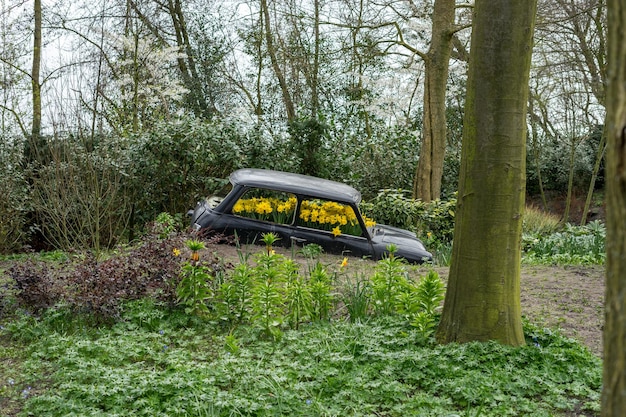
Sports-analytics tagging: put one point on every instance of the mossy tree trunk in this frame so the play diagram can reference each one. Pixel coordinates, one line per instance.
(483, 296)
(614, 386)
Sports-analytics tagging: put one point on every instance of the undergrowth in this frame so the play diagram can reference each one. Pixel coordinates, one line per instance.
(146, 333)
(157, 361)
(572, 245)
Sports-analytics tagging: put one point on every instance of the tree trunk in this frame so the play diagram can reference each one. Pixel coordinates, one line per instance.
(483, 296)
(427, 184)
(594, 176)
(614, 386)
(271, 50)
(35, 75)
(315, 101)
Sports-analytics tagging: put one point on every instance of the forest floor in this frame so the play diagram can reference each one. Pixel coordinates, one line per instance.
(567, 298)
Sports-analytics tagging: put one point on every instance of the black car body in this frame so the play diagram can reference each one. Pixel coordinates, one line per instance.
(301, 210)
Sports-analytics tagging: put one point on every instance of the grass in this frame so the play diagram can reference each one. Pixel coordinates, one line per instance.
(537, 221)
(160, 362)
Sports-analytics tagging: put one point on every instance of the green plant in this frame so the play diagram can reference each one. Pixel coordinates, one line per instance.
(269, 239)
(356, 296)
(539, 222)
(16, 197)
(582, 245)
(327, 368)
(311, 250)
(393, 207)
(429, 292)
(320, 288)
(428, 295)
(267, 303)
(236, 294)
(165, 225)
(298, 299)
(434, 220)
(194, 289)
(388, 283)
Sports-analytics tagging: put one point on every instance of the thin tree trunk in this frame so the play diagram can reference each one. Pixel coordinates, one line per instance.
(483, 295)
(614, 380)
(316, 62)
(35, 75)
(535, 141)
(271, 50)
(427, 183)
(570, 181)
(594, 176)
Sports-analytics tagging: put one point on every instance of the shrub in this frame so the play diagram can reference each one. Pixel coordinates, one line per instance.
(79, 195)
(15, 201)
(87, 284)
(573, 245)
(178, 163)
(537, 221)
(37, 285)
(434, 220)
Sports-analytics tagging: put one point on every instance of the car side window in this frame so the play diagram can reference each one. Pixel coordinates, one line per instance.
(266, 205)
(330, 216)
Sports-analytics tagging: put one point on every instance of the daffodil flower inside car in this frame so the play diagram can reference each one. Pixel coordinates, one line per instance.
(301, 210)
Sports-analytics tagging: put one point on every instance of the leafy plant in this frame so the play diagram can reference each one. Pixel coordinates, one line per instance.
(356, 297)
(434, 220)
(236, 294)
(165, 225)
(329, 368)
(582, 245)
(267, 303)
(194, 288)
(388, 283)
(311, 250)
(269, 239)
(429, 293)
(320, 288)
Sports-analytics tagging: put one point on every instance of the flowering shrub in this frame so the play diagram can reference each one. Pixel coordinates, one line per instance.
(319, 214)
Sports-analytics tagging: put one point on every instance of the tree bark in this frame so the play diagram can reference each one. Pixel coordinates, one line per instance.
(35, 75)
(429, 173)
(614, 386)
(271, 50)
(483, 295)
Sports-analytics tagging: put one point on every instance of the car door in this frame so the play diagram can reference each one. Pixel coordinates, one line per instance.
(259, 211)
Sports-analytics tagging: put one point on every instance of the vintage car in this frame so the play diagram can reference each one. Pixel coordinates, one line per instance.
(301, 210)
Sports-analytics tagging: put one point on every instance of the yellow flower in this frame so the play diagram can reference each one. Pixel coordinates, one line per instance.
(263, 207)
(305, 214)
(428, 235)
(176, 252)
(344, 263)
(238, 207)
(369, 222)
(336, 231)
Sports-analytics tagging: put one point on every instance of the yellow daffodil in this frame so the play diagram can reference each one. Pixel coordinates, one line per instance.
(176, 252)
(344, 263)
(263, 207)
(336, 231)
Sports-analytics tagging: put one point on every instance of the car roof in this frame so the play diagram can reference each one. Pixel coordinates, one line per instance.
(296, 184)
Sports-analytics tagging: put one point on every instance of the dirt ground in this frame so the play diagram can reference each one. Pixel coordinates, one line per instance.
(568, 298)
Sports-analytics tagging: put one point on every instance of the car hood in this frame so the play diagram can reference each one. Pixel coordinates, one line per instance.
(407, 243)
